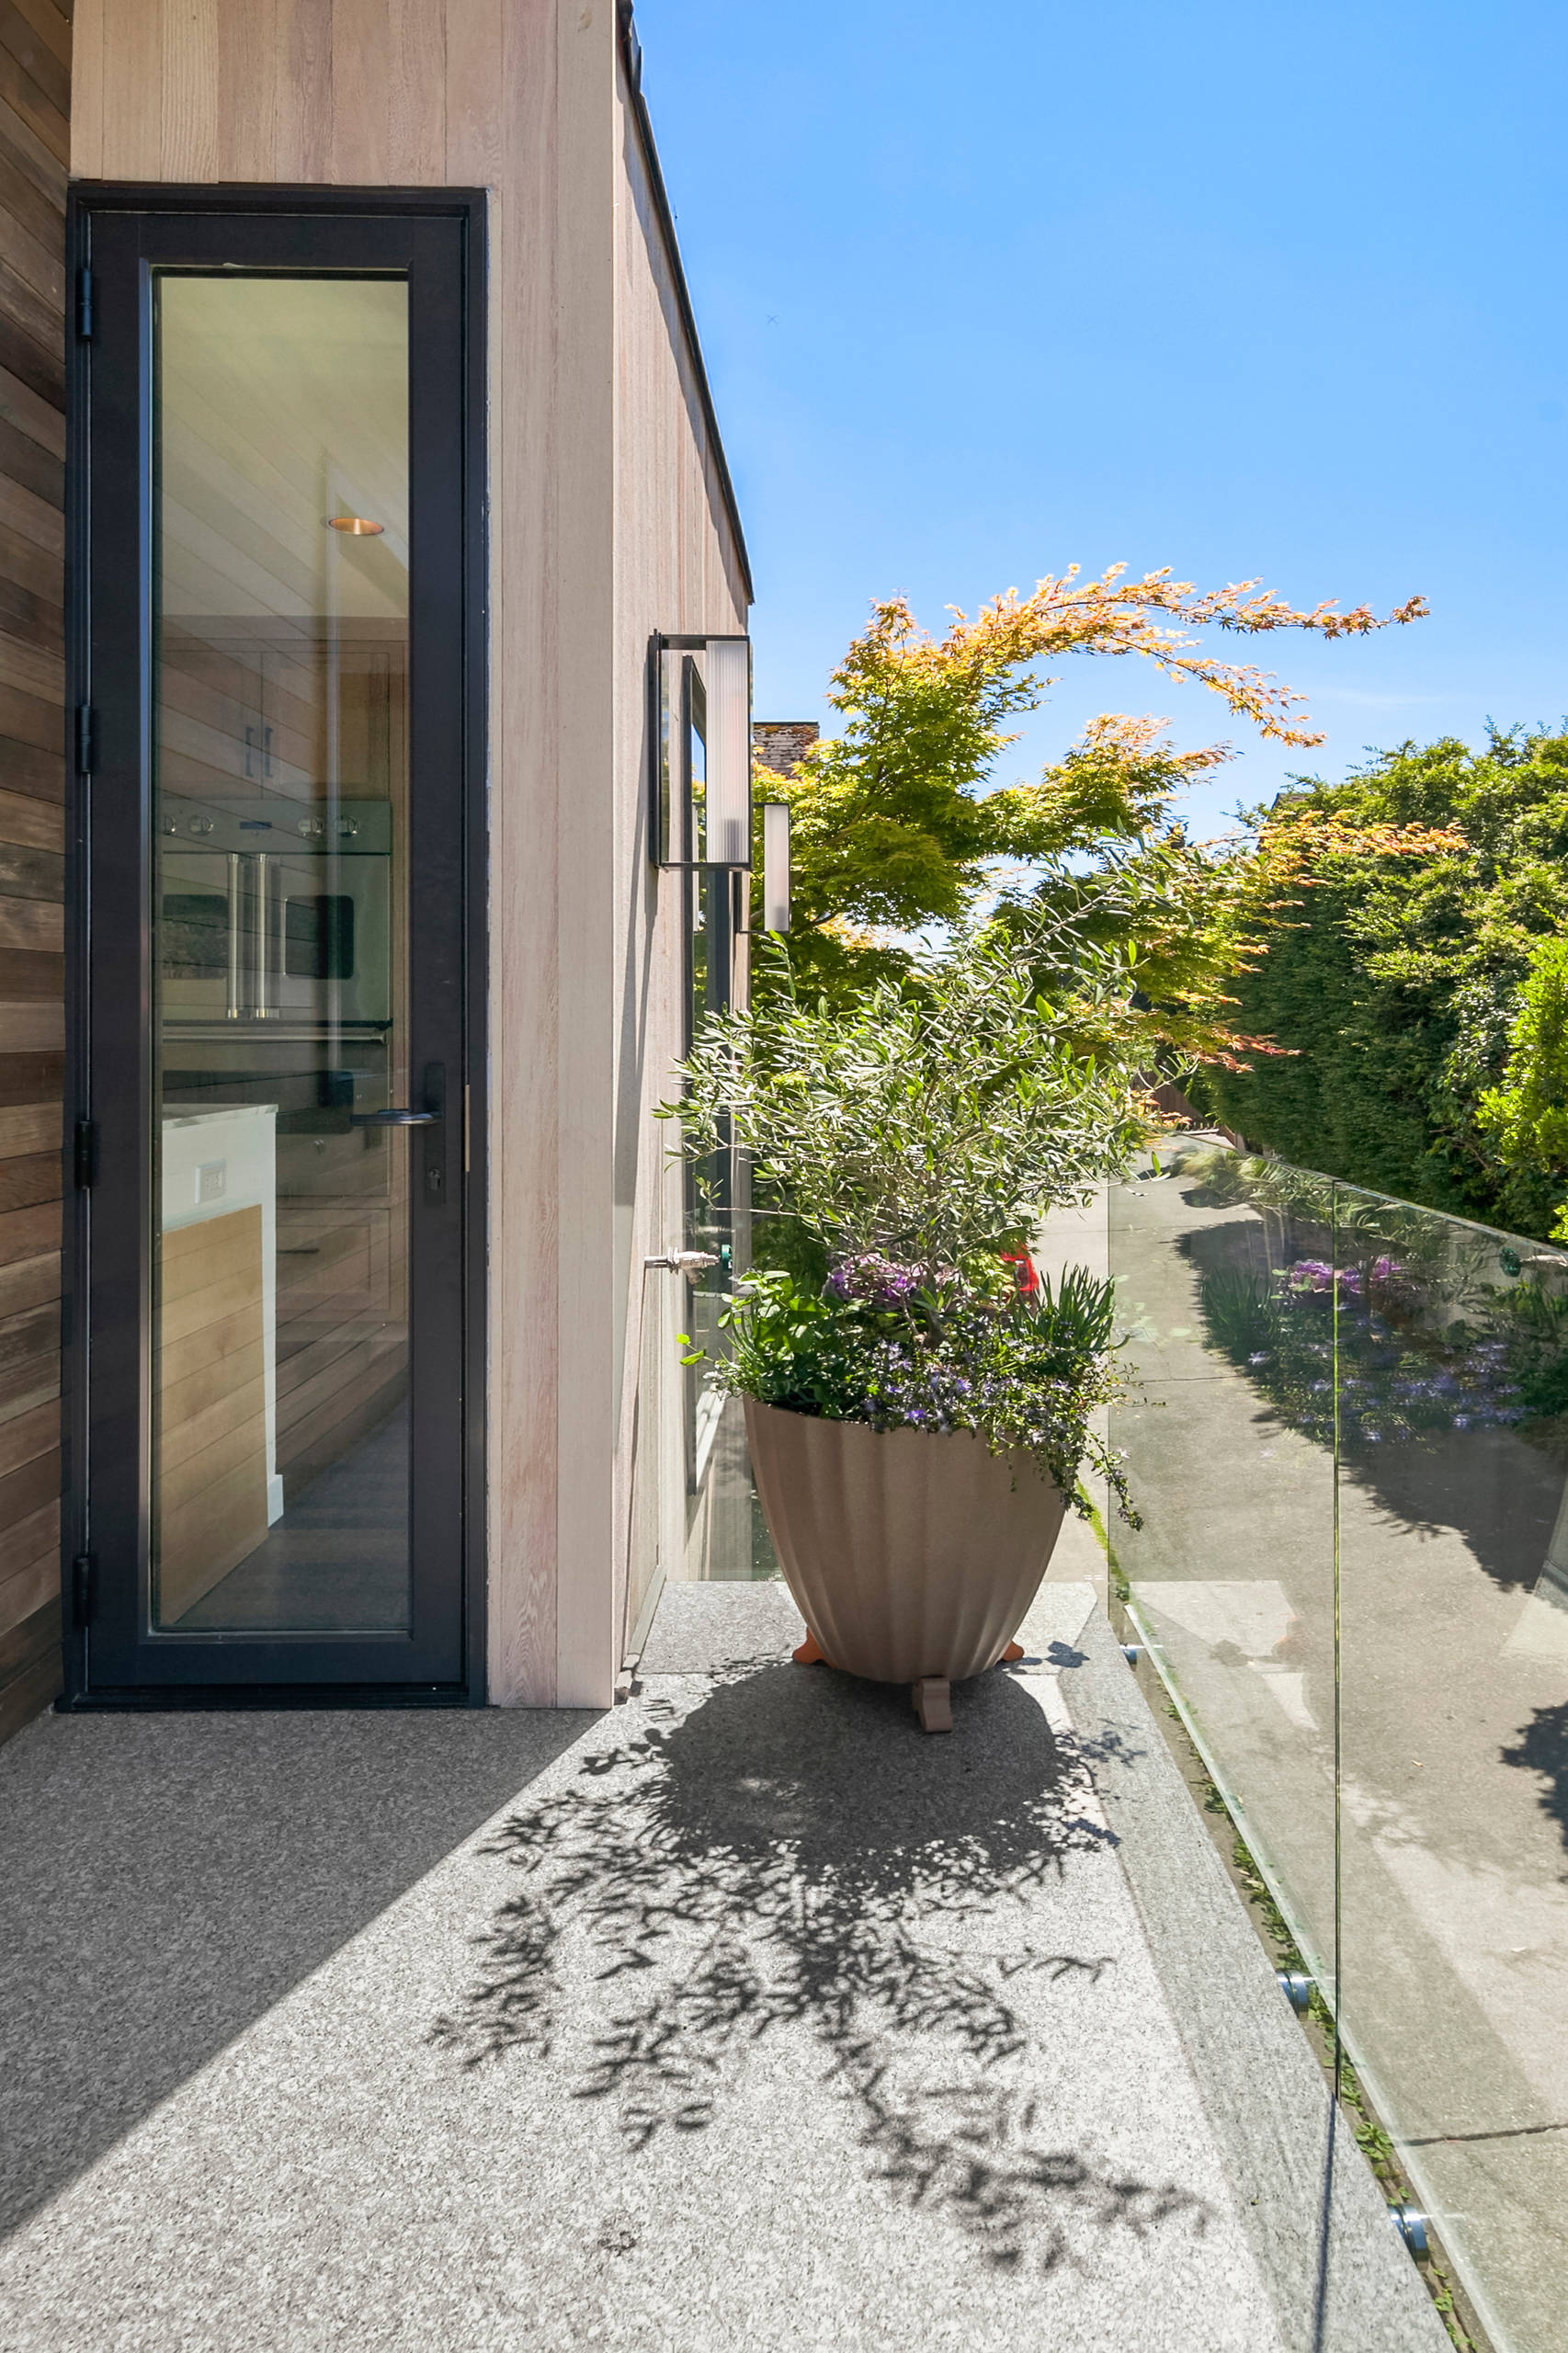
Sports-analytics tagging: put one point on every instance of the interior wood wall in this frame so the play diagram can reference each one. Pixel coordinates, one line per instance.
(35, 106)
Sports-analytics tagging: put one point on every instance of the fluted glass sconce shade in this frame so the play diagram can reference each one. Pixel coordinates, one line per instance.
(728, 665)
(775, 866)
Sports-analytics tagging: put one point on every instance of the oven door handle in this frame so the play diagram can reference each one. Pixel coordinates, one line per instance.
(262, 1009)
(236, 941)
(394, 1118)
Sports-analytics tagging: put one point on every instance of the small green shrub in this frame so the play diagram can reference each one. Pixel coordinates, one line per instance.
(1024, 1373)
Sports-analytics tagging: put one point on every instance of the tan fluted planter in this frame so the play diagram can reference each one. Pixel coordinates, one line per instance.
(912, 1553)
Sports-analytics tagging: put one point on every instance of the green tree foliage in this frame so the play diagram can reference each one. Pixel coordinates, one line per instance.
(895, 828)
(928, 1126)
(1528, 1114)
(1395, 982)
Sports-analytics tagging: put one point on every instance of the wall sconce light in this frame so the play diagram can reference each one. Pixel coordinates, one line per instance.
(702, 814)
(775, 866)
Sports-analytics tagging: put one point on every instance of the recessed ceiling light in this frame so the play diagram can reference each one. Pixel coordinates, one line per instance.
(358, 527)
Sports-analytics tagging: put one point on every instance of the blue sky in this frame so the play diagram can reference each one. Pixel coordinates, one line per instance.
(1270, 290)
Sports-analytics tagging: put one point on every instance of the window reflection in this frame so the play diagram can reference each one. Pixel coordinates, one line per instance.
(280, 777)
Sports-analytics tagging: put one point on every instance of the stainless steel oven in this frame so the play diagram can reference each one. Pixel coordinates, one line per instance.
(275, 909)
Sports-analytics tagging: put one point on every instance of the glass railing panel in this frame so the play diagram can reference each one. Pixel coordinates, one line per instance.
(1453, 1417)
(1229, 1448)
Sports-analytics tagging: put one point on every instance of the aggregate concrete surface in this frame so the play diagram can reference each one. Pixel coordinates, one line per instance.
(746, 2014)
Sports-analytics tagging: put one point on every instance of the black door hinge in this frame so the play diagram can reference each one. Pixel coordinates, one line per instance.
(84, 304)
(86, 738)
(87, 1154)
(83, 1589)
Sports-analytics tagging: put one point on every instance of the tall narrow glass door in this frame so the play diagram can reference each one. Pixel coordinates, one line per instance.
(281, 457)
(279, 766)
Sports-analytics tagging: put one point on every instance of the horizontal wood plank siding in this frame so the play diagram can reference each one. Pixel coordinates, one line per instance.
(35, 106)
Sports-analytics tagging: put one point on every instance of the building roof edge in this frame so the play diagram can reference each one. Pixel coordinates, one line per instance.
(631, 61)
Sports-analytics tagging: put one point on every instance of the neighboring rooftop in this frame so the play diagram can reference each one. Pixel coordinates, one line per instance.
(783, 743)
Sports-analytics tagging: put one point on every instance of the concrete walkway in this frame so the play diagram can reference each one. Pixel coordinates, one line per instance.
(747, 2016)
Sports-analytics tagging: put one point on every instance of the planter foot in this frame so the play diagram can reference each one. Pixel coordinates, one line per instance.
(1014, 1651)
(811, 1652)
(932, 1700)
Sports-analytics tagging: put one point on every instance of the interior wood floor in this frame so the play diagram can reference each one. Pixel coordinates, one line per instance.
(337, 1561)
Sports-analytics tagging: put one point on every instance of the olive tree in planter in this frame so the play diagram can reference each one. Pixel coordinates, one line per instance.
(916, 1427)
(917, 1422)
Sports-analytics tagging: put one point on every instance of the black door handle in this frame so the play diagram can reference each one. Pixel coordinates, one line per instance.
(433, 1119)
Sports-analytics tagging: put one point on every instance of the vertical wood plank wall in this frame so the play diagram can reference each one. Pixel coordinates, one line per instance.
(605, 525)
(35, 105)
(670, 558)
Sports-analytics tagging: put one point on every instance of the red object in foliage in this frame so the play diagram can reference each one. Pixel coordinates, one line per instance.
(1025, 1273)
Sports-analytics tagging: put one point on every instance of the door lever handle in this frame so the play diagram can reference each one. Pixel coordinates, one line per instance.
(683, 1262)
(433, 1119)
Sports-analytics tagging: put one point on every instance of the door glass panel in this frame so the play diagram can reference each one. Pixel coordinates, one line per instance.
(279, 960)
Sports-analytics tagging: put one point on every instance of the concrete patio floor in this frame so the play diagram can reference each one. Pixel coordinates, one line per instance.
(745, 2016)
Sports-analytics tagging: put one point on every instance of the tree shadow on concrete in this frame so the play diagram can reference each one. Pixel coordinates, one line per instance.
(794, 1852)
(1542, 1748)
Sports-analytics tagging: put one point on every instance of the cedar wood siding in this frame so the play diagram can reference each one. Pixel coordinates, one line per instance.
(607, 520)
(35, 105)
(674, 555)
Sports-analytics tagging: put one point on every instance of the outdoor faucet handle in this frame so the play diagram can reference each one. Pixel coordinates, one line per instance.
(683, 1262)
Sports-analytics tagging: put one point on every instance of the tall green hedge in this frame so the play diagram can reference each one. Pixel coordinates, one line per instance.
(1396, 980)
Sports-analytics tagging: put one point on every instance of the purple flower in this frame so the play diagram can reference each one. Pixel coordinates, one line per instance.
(881, 1282)
(1314, 1277)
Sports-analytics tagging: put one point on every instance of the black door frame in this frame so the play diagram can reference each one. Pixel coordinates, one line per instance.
(100, 1331)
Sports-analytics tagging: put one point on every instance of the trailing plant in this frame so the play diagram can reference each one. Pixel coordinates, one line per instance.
(875, 1346)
